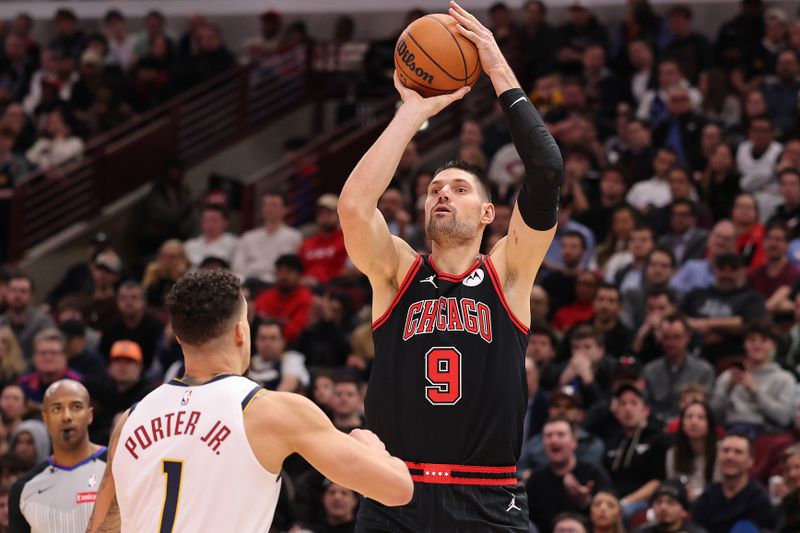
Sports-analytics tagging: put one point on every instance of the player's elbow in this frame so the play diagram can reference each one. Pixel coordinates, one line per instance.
(351, 208)
(400, 491)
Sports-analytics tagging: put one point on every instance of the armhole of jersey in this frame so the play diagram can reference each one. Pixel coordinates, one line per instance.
(132, 407)
(251, 396)
(400, 291)
(498, 287)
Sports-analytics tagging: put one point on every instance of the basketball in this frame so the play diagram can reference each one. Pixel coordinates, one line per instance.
(432, 58)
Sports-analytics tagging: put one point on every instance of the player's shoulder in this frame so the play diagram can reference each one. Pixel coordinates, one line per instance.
(277, 410)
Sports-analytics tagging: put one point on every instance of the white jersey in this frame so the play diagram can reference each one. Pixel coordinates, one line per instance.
(183, 462)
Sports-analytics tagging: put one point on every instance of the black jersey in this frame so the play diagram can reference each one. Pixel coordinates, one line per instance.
(448, 381)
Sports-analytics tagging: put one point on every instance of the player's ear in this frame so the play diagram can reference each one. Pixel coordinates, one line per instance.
(488, 213)
(239, 333)
(90, 415)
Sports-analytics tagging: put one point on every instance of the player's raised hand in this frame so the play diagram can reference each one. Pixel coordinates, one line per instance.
(470, 27)
(368, 438)
(428, 106)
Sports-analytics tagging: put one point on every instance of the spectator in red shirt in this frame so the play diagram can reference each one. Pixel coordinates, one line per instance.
(287, 302)
(323, 253)
(749, 232)
(777, 271)
(582, 310)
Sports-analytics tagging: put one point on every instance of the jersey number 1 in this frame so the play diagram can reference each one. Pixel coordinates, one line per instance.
(172, 470)
(443, 372)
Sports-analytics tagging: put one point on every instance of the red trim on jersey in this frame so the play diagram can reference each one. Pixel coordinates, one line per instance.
(442, 474)
(499, 288)
(403, 287)
(453, 277)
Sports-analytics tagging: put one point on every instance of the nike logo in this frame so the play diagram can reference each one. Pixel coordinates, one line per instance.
(44, 489)
(518, 100)
(429, 279)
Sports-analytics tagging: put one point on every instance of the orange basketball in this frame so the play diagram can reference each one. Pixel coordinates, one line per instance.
(432, 58)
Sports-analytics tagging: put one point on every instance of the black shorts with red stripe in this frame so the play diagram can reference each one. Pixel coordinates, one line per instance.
(452, 498)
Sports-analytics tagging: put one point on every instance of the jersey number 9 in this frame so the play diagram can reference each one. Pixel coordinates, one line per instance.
(443, 372)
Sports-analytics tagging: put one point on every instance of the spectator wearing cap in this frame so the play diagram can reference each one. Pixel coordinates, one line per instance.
(287, 303)
(670, 505)
(133, 322)
(121, 386)
(667, 375)
(261, 247)
(106, 272)
(736, 499)
(756, 396)
(21, 316)
(80, 357)
(214, 239)
(78, 278)
(693, 457)
(690, 49)
(564, 402)
(777, 272)
(698, 273)
(49, 365)
(634, 457)
(323, 253)
(565, 483)
(719, 312)
(59, 145)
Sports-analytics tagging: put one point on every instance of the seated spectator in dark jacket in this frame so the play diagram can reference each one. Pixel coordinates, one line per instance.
(670, 506)
(166, 210)
(634, 459)
(589, 369)
(324, 341)
(607, 307)
(211, 58)
(80, 357)
(134, 322)
(565, 484)
(682, 128)
(339, 504)
(737, 498)
(121, 387)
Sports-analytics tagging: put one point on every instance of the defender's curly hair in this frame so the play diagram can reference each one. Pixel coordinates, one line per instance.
(202, 305)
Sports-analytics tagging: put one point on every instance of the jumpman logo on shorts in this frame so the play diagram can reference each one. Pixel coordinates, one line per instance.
(513, 504)
(429, 279)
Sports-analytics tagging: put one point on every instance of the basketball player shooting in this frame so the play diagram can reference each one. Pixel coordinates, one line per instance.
(447, 392)
(204, 453)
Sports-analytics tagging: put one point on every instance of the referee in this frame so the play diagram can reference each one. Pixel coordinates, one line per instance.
(59, 494)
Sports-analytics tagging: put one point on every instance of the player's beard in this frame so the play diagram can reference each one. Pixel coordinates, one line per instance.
(447, 231)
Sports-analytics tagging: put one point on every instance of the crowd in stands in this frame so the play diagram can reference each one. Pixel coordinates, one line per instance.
(664, 351)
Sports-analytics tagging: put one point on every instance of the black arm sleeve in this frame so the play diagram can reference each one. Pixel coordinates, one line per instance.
(544, 169)
(16, 520)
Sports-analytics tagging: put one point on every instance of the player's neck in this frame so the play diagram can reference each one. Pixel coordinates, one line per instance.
(202, 367)
(70, 458)
(455, 259)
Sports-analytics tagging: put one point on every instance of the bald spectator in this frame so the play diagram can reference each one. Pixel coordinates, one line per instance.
(21, 316)
(259, 248)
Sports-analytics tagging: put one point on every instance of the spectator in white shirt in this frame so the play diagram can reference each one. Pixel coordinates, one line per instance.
(654, 192)
(272, 366)
(641, 57)
(120, 43)
(653, 104)
(259, 248)
(214, 240)
(756, 159)
(59, 146)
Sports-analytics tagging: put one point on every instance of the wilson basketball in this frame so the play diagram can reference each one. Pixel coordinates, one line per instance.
(432, 58)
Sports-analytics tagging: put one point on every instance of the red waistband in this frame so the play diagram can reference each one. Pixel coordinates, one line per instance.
(462, 474)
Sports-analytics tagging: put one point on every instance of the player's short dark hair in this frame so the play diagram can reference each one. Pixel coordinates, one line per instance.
(480, 176)
(585, 331)
(576, 234)
(203, 305)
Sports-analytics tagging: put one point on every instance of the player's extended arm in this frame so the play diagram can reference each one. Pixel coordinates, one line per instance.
(369, 243)
(105, 515)
(533, 222)
(300, 426)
